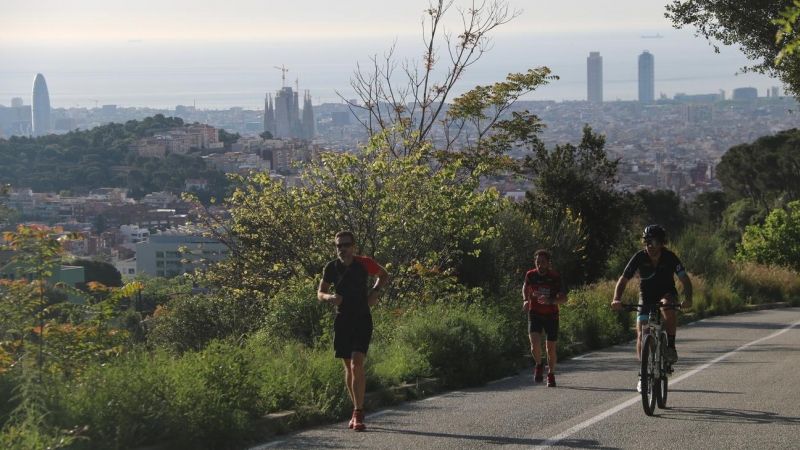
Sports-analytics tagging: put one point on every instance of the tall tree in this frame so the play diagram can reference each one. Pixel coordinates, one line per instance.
(408, 100)
(776, 242)
(664, 208)
(764, 171)
(579, 181)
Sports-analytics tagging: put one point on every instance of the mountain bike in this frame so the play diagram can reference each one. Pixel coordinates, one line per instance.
(655, 370)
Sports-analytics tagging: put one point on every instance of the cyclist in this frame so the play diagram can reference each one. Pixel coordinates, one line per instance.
(657, 266)
(349, 274)
(542, 291)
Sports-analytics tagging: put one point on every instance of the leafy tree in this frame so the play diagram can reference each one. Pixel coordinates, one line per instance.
(407, 105)
(787, 35)
(664, 208)
(579, 180)
(265, 135)
(776, 242)
(83, 159)
(228, 138)
(765, 171)
(736, 218)
(754, 25)
(707, 208)
(6, 214)
(501, 262)
(389, 202)
(100, 272)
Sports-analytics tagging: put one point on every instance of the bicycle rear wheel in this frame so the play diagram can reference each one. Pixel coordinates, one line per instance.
(650, 387)
(663, 381)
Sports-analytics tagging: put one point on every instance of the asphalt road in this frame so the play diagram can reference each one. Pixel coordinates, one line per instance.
(736, 386)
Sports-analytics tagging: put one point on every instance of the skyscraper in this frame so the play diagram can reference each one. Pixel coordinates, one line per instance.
(594, 77)
(647, 90)
(40, 107)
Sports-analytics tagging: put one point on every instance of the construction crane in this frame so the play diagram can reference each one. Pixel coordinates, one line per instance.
(283, 74)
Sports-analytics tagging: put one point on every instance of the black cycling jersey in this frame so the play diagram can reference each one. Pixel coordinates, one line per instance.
(655, 282)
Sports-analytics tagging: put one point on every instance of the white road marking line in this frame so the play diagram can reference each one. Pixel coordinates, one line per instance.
(271, 444)
(587, 423)
(584, 356)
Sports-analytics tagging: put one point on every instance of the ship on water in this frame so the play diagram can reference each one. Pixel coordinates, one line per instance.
(654, 36)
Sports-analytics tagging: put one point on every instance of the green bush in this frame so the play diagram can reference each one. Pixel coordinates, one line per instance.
(703, 254)
(124, 403)
(215, 397)
(296, 314)
(588, 320)
(293, 376)
(392, 363)
(464, 346)
(191, 322)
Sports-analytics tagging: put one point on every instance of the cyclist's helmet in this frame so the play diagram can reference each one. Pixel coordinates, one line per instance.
(655, 232)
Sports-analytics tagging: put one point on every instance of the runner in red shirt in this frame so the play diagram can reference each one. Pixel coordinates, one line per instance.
(542, 292)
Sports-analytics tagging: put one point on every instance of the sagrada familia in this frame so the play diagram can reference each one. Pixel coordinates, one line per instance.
(282, 117)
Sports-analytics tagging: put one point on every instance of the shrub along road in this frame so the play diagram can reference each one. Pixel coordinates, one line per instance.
(734, 387)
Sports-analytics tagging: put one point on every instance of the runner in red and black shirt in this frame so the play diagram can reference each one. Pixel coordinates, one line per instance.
(542, 292)
(349, 274)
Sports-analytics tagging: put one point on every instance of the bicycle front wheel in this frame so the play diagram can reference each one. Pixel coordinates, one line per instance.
(662, 381)
(650, 387)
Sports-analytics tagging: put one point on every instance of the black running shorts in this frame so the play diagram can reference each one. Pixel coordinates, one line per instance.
(351, 334)
(550, 327)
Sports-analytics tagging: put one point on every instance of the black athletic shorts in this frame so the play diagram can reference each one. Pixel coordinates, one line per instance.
(550, 327)
(351, 334)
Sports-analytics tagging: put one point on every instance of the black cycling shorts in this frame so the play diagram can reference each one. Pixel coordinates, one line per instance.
(550, 327)
(645, 304)
(351, 334)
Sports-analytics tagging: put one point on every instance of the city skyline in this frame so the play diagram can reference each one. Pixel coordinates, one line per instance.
(142, 69)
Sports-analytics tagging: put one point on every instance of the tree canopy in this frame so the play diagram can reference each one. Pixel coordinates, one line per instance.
(82, 160)
(579, 180)
(765, 171)
(776, 242)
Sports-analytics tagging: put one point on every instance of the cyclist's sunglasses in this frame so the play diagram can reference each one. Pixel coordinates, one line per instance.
(651, 242)
(344, 245)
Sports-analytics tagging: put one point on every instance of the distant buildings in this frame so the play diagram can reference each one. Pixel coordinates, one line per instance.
(40, 108)
(177, 141)
(745, 93)
(647, 91)
(282, 116)
(174, 253)
(594, 77)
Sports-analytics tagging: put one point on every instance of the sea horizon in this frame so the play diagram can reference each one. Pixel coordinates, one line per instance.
(222, 75)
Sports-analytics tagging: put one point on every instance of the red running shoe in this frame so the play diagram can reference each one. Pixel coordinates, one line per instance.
(551, 380)
(538, 373)
(359, 418)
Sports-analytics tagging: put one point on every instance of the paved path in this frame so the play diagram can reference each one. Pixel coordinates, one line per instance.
(736, 386)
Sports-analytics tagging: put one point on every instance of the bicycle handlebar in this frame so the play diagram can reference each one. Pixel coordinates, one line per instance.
(646, 308)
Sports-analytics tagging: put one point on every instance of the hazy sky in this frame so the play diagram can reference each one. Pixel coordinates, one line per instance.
(61, 22)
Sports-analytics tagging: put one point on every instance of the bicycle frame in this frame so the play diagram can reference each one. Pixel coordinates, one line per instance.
(654, 368)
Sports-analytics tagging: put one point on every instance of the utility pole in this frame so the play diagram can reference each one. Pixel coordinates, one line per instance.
(283, 74)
